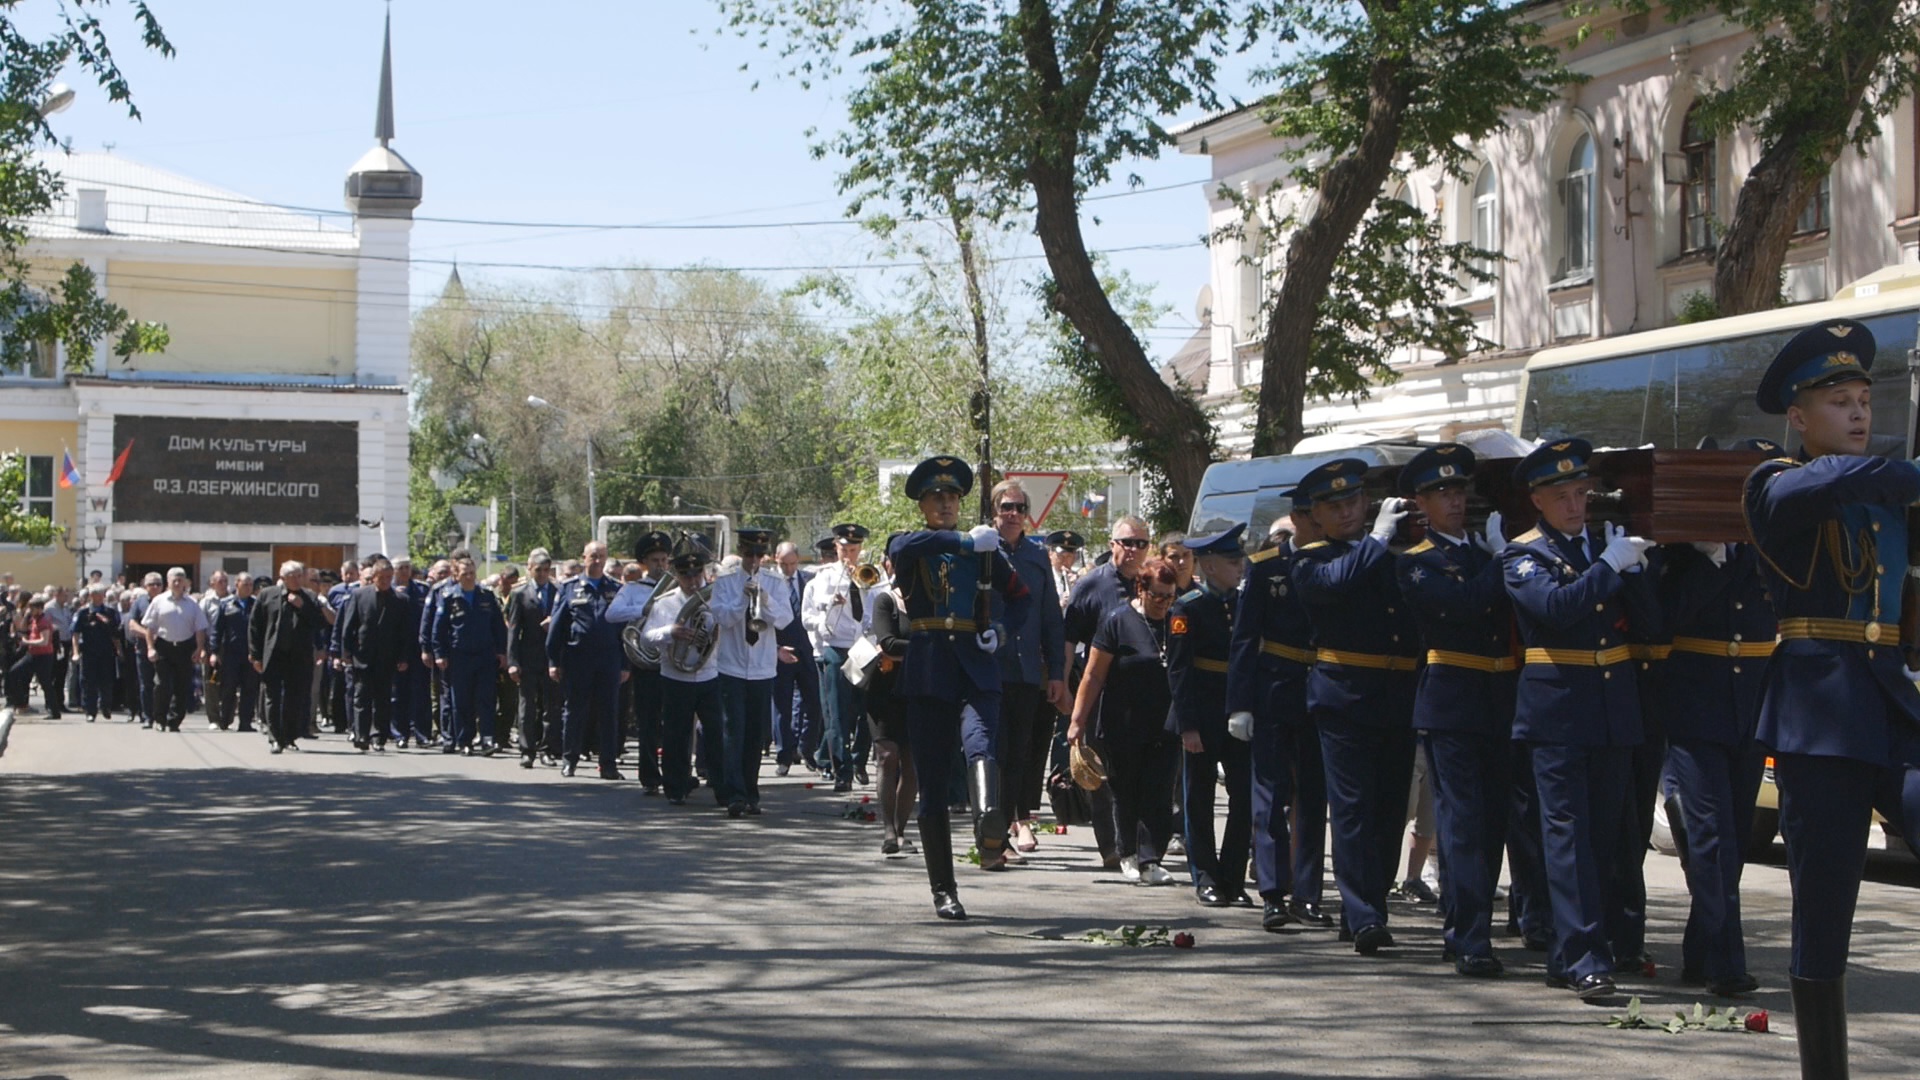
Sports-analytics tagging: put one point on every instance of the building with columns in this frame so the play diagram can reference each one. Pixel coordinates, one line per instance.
(275, 424)
(1604, 206)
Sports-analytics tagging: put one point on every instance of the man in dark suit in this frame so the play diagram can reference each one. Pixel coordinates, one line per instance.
(528, 610)
(796, 688)
(375, 640)
(282, 634)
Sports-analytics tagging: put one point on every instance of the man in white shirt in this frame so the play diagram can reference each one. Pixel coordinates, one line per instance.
(749, 658)
(834, 610)
(176, 640)
(684, 695)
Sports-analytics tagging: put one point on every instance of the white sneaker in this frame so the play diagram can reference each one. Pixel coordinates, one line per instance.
(1130, 868)
(1155, 874)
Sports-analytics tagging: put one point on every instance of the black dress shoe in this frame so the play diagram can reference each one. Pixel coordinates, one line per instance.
(676, 800)
(608, 772)
(650, 789)
(860, 777)
(526, 761)
(1274, 916)
(449, 749)
(946, 904)
(1631, 965)
(753, 809)
(1537, 941)
(1558, 982)
(1479, 967)
(841, 787)
(1593, 988)
(736, 809)
(1733, 986)
(569, 768)
(1210, 897)
(1239, 898)
(1371, 939)
(1309, 913)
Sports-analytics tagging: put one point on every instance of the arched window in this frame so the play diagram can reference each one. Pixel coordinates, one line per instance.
(1484, 226)
(1576, 197)
(1696, 194)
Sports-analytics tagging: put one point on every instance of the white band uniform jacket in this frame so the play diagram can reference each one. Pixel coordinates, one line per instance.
(831, 625)
(737, 659)
(659, 632)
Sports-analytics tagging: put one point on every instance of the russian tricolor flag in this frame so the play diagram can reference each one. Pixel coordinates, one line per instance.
(69, 476)
(1088, 504)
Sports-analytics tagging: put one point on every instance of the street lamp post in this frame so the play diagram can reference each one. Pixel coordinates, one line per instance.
(593, 511)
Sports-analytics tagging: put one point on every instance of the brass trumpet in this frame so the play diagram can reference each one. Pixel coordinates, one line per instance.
(867, 575)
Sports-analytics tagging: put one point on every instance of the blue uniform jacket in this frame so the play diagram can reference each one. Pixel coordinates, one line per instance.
(1721, 620)
(1036, 647)
(1199, 638)
(98, 630)
(1270, 614)
(937, 571)
(1811, 520)
(1360, 623)
(230, 629)
(1558, 606)
(463, 627)
(414, 593)
(580, 633)
(1459, 597)
(337, 598)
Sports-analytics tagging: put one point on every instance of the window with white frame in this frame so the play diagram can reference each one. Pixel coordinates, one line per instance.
(1697, 190)
(37, 496)
(1576, 200)
(1484, 226)
(1254, 286)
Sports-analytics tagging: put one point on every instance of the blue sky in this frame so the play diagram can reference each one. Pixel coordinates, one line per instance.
(586, 112)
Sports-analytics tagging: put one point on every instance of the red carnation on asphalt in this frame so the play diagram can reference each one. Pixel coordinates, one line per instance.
(1649, 970)
(1757, 1021)
(1183, 940)
(865, 799)
(809, 785)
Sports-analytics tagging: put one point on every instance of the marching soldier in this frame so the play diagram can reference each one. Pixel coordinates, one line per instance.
(1463, 707)
(1199, 638)
(1578, 706)
(584, 655)
(950, 677)
(469, 643)
(1838, 711)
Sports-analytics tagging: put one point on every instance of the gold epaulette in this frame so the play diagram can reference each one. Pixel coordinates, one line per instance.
(1310, 547)
(1424, 545)
(1529, 536)
(1263, 556)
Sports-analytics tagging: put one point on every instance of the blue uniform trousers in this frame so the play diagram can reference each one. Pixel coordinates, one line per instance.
(796, 705)
(239, 689)
(1472, 777)
(144, 678)
(1225, 868)
(943, 731)
(1583, 796)
(413, 703)
(1716, 785)
(645, 694)
(1369, 770)
(744, 702)
(1309, 812)
(1270, 778)
(442, 706)
(1627, 911)
(1529, 910)
(97, 672)
(1826, 806)
(593, 700)
(469, 689)
(845, 710)
(680, 704)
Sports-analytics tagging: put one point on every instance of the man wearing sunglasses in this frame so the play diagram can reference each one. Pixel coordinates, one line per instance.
(1098, 592)
(1033, 675)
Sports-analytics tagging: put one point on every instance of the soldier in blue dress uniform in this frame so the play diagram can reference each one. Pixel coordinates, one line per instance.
(412, 688)
(1714, 600)
(1360, 690)
(239, 683)
(584, 655)
(1574, 593)
(97, 631)
(1463, 708)
(469, 645)
(949, 676)
(1840, 714)
(1271, 654)
(1199, 639)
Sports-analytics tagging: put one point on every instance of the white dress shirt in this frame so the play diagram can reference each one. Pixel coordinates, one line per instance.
(659, 631)
(175, 620)
(831, 625)
(760, 660)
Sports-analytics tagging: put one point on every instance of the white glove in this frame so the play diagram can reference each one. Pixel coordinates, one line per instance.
(1624, 553)
(1912, 675)
(1240, 726)
(1388, 520)
(989, 639)
(985, 538)
(1716, 553)
(1493, 539)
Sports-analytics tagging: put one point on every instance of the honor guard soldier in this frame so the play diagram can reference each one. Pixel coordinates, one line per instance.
(950, 676)
(1199, 639)
(97, 630)
(470, 649)
(1840, 715)
(653, 550)
(1574, 591)
(1463, 706)
(1714, 600)
(585, 657)
(1272, 652)
(1360, 691)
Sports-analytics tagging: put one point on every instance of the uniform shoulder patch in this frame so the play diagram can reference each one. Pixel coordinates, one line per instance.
(1312, 546)
(1263, 556)
(1177, 625)
(1191, 595)
(1528, 537)
(1424, 545)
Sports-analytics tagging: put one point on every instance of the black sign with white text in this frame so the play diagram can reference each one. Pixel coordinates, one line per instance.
(238, 472)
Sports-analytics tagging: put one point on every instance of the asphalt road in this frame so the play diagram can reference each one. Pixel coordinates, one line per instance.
(187, 905)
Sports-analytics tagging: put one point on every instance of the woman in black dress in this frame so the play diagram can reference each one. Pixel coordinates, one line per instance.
(1128, 657)
(887, 717)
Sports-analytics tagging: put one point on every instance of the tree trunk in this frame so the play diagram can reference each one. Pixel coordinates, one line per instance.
(982, 403)
(1347, 191)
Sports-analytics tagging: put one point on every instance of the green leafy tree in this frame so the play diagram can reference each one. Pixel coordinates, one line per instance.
(1379, 87)
(70, 312)
(16, 524)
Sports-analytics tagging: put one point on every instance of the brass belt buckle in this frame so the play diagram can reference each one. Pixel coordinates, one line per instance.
(1600, 658)
(1872, 633)
(949, 622)
(1733, 648)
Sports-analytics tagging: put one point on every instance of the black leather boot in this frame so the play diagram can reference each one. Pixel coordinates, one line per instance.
(989, 818)
(936, 847)
(1820, 1026)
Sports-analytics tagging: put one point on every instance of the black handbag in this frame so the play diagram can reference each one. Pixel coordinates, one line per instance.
(1071, 803)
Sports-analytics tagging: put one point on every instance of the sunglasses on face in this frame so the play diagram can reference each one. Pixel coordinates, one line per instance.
(1010, 507)
(1131, 543)
(1156, 594)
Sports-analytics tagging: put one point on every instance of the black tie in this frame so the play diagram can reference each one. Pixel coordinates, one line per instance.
(1576, 549)
(793, 592)
(853, 598)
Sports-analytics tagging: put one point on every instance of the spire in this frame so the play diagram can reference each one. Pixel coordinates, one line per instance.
(455, 289)
(383, 122)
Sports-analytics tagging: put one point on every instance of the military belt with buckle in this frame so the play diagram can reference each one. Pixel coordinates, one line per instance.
(1869, 633)
(1286, 652)
(1376, 661)
(1474, 661)
(1619, 654)
(1716, 647)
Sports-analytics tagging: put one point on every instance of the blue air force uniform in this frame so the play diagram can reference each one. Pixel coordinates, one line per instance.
(1199, 640)
(587, 650)
(1578, 709)
(1360, 693)
(470, 634)
(1463, 706)
(412, 688)
(239, 683)
(97, 629)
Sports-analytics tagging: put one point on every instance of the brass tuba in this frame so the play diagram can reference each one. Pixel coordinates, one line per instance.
(689, 654)
(640, 653)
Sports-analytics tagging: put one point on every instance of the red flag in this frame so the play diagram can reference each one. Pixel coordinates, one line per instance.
(120, 463)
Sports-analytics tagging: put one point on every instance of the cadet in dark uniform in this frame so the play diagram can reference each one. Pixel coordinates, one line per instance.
(1199, 639)
(584, 655)
(1271, 654)
(469, 643)
(1714, 600)
(949, 674)
(1360, 691)
(1463, 708)
(1838, 711)
(97, 630)
(412, 688)
(1578, 706)
(239, 683)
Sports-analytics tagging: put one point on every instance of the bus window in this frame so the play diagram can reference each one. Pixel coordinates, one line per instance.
(1604, 402)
